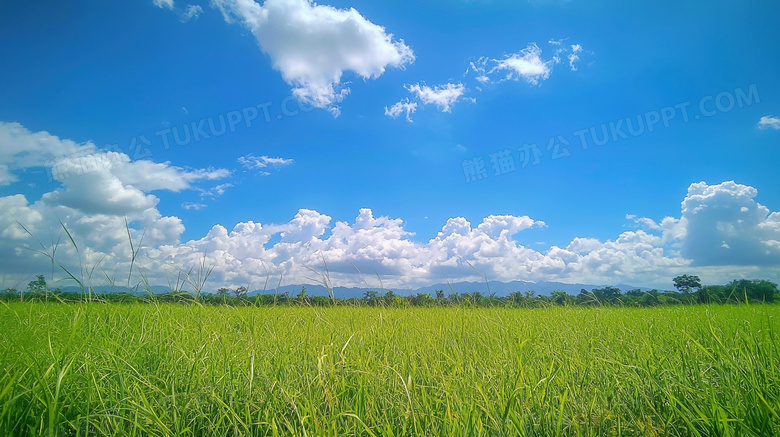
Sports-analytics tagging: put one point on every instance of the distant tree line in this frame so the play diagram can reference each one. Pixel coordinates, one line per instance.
(689, 292)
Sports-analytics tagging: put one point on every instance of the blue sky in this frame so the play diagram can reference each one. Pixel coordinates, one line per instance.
(354, 133)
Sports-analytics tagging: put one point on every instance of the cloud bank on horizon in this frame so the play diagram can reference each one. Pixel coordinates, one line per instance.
(721, 233)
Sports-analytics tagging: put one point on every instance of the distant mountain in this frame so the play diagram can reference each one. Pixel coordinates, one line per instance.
(504, 288)
(497, 287)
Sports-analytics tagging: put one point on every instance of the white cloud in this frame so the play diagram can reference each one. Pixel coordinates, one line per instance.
(526, 64)
(314, 45)
(400, 107)
(573, 56)
(14, 208)
(443, 96)
(253, 162)
(109, 183)
(722, 233)
(151, 176)
(192, 12)
(99, 191)
(215, 191)
(193, 205)
(769, 122)
(724, 225)
(572, 59)
(82, 164)
(644, 222)
(21, 149)
(163, 4)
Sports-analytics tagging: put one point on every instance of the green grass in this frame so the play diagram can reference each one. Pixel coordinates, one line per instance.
(114, 369)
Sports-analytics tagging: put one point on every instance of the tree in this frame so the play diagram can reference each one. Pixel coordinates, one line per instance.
(423, 300)
(371, 297)
(686, 283)
(302, 295)
(759, 290)
(559, 297)
(608, 293)
(37, 286)
(586, 298)
(516, 298)
(240, 292)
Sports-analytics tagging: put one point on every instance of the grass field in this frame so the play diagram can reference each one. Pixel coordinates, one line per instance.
(144, 369)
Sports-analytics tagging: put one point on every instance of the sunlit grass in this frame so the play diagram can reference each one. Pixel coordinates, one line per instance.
(97, 369)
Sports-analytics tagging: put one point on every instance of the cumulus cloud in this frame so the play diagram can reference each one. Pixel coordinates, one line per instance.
(109, 183)
(381, 245)
(724, 225)
(721, 233)
(375, 245)
(769, 122)
(82, 163)
(313, 45)
(99, 191)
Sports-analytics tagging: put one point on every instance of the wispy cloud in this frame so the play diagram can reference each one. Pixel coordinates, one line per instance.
(215, 191)
(193, 205)
(441, 96)
(527, 64)
(263, 163)
(192, 12)
(573, 56)
(163, 4)
(400, 107)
